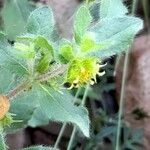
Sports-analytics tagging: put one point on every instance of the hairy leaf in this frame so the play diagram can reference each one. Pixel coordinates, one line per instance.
(23, 107)
(12, 69)
(66, 51)
(38, 118)
(43, 47)
(81, 22)
(88, 43)
(14, 15)
(59, 107)
(41, 22)
(112, 8)
(117, 32)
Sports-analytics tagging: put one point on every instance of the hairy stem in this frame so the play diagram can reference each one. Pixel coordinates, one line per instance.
(3, 145)
(125, 70)
(21, 87)
(75, 127)
(59, 70)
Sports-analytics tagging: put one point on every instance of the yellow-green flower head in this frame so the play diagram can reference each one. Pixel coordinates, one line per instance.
(82, 71)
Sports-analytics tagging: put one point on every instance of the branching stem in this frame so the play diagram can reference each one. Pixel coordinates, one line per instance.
(44, 77)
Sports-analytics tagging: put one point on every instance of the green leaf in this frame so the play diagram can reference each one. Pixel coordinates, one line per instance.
(88, 43)
(12, 69)
(82, 21)
(41, 22)
(38, 118)
(41, 42)
(23, 107)
(7, 55)
(39, 148)
(26, 38)
(66, 51)
(59, 107)
(9, 80)
(112, 8)
(14, 15)
(117, 32)
(24, 51)
(46, 51)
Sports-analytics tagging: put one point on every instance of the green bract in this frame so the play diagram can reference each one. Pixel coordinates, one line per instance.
(6, 121)
(31, 62)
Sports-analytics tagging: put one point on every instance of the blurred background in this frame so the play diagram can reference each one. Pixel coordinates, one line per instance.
(103, 98)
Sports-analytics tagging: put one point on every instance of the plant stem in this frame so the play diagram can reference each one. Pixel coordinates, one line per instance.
(134, 6)
(18, 89)
(85, 95)
(72, 138)
(3, 145)
(65, 124)
(87, 2)
(58, 70)
(145, 8)
(125, 69)
(75, 127)
(60, 135)
(44, 77)
(121, 101)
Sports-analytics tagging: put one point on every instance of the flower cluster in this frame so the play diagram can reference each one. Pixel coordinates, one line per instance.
(83, 70)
